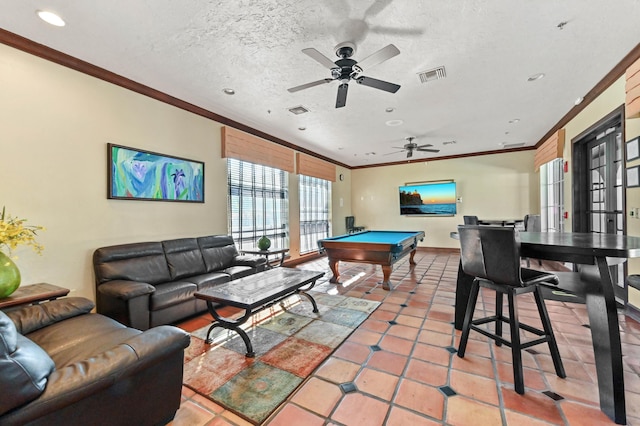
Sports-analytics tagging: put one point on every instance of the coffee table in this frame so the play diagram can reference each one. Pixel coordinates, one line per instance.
(255, 293)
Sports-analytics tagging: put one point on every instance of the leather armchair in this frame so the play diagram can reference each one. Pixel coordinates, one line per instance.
(65, 365)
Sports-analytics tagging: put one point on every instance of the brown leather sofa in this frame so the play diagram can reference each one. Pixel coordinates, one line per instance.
(144, 285)
(62, 365)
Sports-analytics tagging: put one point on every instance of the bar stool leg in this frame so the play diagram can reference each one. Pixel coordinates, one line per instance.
(546, 324)
(499, 317)
(516, 349)
(468, 317)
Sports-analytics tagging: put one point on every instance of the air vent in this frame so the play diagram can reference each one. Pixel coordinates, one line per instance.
(298, 110)
(434, 74)
(513, 145)
(448, 142)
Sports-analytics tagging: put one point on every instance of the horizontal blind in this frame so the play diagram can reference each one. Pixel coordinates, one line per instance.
(246, 147)
(258, 204)
(312, 166)
(315, 205)
(632, 91)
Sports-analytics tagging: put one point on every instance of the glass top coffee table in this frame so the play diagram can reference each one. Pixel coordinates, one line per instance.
(254, 293)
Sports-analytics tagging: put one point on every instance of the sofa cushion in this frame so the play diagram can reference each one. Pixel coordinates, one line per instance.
(143, 262)
(239, 271)
(81, 337)
(24, 367)
(183, 257)
(218, 251)
(209, 279)
(172, 293)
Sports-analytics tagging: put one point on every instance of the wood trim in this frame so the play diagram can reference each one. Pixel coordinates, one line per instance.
(311, 166)
(550, 150)
(246, 147)
(29, 46)
(632, 89)
(618, 71)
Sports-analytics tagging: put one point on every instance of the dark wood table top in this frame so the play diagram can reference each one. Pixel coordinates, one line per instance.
(257, 289)
(267, 251)
(33, 293)
(585, 244)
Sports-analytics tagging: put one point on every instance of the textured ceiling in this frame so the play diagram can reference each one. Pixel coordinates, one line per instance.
(194, 49)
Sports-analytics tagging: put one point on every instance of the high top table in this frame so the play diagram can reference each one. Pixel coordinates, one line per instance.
(593, 282)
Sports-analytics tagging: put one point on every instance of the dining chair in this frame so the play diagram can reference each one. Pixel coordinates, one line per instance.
(470, 220)
(491, 254)
(350, 224)
(532, 223)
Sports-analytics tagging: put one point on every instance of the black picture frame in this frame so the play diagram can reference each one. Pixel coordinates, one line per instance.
(633, 176)
(136, 174)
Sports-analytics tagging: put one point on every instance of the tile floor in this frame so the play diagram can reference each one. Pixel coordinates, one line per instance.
(400, 368)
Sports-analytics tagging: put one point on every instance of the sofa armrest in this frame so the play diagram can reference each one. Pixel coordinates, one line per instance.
(84, 378)
(124, 289)
(246, 260)
(35, 317)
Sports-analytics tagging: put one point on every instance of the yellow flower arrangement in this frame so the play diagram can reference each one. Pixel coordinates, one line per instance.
(14, 232)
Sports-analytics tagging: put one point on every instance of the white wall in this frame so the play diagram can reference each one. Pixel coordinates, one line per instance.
(501, 186)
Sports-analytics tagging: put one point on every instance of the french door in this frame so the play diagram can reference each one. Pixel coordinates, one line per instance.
(599, 187)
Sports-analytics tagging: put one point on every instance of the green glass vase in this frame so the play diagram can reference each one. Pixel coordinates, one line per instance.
(9, 276)
(264, 243)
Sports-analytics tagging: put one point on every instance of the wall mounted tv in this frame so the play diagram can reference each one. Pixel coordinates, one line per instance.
(428, 199)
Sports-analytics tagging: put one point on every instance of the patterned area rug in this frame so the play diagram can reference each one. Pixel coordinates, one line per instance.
(289, 340)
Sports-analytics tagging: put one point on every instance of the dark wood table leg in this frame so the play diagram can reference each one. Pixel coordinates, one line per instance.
(463, 290)
(386, 274)
(605, 334)
(333, 265)
(411, 256)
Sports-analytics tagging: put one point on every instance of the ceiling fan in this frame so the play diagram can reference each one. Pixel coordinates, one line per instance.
(411, 146)
(346, 69)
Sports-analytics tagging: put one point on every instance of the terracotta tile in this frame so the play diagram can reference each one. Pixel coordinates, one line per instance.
(464, 411)
(356, 409)
(364, 337)
(337, 370)
(421, 398)
(375, 325)
(573, 389)
(220, 421)
(191, 414)
(357, 353)
(383, 315)
(533, 379)
(396, 345)
(291, 414)
(434, 338)
(207, 404)
(426, 372)
(401, 417)
(582, 415)
(473, 386)
(515, 418)
(235, 419)
(409, 321)
(318, 396)
(434, 354)
(377, 383)
(532, 404)
(474, 364)
(388, 361)
(403, 331)
(439, 326)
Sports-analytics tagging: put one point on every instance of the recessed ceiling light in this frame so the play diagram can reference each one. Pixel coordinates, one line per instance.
(390, 109)
(536, 77)
(51, 18)
(228, 91)
(578, 101)
(393, 123)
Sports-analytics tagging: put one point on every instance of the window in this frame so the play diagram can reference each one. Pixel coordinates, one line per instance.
(258, 204)
(552, 196)
(315, 199)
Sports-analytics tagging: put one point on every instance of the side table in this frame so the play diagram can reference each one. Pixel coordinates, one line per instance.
(267, 253)
(34, 294)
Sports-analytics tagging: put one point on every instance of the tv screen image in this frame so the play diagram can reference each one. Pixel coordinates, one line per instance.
(428, 199)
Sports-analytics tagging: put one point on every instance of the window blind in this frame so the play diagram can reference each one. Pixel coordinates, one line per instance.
(315, 204)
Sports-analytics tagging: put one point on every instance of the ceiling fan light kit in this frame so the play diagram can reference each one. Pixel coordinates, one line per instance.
(346, 69)
(411, 146)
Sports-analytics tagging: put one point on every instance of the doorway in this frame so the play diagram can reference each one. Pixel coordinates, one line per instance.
(599, 195)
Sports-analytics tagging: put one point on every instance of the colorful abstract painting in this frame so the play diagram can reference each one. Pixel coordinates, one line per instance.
(144, 175)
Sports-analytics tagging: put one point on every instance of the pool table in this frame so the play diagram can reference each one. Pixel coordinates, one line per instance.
(382, 248)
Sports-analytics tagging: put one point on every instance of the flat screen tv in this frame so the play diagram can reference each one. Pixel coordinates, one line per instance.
(428, 199)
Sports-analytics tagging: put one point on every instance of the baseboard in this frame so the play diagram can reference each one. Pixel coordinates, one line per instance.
(632, 312)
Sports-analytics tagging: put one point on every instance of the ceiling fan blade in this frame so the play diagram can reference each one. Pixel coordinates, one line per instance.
(341, 100)
(319, 57)
(307, 85)
(380, 29)
(378, 84)
(395, 152)
(427, 150)
(380, 56)
(377, 7)
(425, 145)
